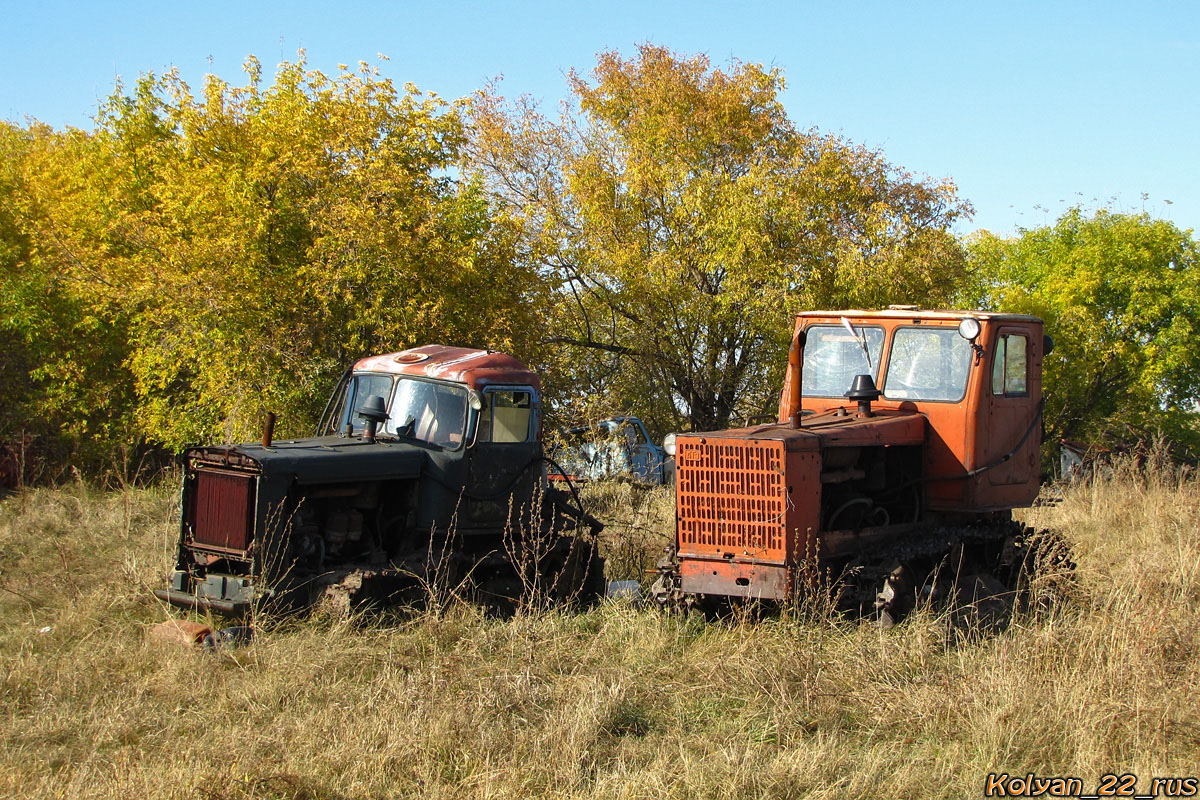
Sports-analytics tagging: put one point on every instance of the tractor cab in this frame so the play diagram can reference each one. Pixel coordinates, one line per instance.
(904, 438)
(975, 377)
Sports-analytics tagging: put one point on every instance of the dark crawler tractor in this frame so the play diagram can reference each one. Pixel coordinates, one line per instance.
(427, 475)
(905, 438)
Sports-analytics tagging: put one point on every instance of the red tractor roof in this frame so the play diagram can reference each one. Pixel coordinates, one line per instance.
(475, 368)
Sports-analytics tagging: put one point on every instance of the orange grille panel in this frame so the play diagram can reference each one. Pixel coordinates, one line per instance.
(731, 497)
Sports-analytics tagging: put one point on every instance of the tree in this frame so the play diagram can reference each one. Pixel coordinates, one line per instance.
(15, 357)
(205, 259)
(1120, 294)
(682, 219)
(62, 361)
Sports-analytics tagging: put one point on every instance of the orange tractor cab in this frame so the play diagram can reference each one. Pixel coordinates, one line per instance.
(905, 437)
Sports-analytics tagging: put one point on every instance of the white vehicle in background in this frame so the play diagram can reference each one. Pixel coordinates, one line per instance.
(611, 448)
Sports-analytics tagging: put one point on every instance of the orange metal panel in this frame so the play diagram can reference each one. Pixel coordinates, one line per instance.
(731, 497)
(734, 579)
(804, 504)
(887, 426)
(1007, 424)
(748, 499)
(965, 435)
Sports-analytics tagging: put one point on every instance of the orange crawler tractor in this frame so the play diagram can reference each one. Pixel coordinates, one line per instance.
(905, 438)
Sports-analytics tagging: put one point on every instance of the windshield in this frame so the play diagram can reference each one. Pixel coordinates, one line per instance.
(832, 357)
(424, 410)
(431, 412)
(928, 364)
(361, 389)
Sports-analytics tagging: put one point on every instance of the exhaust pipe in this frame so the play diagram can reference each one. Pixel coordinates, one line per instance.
(375, 413)
(268, 429)
(863, 391)
(795, 385)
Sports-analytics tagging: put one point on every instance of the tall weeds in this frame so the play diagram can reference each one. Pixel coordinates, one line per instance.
(611, 702)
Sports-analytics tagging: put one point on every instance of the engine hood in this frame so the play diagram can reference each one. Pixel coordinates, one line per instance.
(836, 428)
(324, 459)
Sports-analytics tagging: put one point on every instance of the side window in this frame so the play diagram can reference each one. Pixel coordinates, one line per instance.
(1010, 373)
(507, 416)
(633, 433)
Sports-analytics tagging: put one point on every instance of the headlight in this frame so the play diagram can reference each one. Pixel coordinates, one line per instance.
(669, 444)
(969, 329)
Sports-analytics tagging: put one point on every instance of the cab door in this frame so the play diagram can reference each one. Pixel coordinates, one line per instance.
(1011, 437)
(647, 457)
(505, 454)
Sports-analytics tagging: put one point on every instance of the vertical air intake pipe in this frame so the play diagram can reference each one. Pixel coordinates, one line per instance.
(795, 387)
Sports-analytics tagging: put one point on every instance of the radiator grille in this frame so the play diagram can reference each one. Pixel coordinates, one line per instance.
(731, 496)
(222, 509)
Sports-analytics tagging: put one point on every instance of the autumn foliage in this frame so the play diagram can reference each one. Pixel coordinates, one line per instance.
(681, 219)
(197, 259)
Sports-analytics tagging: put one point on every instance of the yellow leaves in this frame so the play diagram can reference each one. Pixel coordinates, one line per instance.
(683, 216)
(239, 249)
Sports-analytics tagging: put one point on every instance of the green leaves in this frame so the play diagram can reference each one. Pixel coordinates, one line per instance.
(1120, 294)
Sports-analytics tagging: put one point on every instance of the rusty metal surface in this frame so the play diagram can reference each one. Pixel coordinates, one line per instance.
(326, 458)
(221, 513)
(746, 499)
(894, 483)
(190, 601)
(474, 368)
(734, 579)
(885, 426)
(836, 427)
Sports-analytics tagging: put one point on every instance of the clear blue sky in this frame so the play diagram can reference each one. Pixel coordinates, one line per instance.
(1028, 107)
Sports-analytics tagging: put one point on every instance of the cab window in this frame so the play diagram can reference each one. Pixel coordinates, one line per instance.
(361, 389)
(1010, 369)
(928, 363)
(506, 416)
(833, 356)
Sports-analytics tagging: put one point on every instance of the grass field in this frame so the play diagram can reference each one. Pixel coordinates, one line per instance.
(612, 703)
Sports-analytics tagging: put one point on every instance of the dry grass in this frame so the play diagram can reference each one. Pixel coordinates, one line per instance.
(639, 522)
(612, 703)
